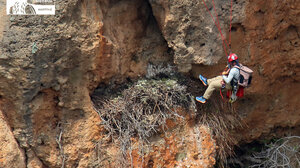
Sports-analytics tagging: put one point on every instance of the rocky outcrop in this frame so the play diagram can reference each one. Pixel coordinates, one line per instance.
(265, 35)
(267, 40)
(50, 65)
(183, 146)
(10, 152)
(191, 32)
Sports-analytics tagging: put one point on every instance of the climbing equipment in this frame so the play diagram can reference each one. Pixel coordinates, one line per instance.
(234, 82)
(234, 89)
(240, 92)
(232, 57)
(224, 41)
(238, 85)
(245, 76)
(245, 72)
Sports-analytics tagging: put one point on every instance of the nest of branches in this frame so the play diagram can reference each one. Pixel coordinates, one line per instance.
(142, 110)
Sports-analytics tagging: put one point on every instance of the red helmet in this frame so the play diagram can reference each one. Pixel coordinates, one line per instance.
(232, 57)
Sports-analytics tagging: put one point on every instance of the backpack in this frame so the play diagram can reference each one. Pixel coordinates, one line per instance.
(245, 75)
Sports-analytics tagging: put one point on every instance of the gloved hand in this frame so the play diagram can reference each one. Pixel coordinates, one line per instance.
(226, 72)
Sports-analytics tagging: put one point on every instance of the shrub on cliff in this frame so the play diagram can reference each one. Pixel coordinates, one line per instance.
(284, 152)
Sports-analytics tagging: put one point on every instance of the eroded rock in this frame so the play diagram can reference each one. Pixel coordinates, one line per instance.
(47, 89)
(11, 155)
(190, 31)
(45, 94)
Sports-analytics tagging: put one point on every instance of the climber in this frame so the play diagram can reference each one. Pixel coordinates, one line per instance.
(228, 80)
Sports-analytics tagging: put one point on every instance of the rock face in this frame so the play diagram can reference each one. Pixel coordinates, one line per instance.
(11, 154)
(50, 65)
(265, 35)
(191, 32)
(182, 147)
(270, 45)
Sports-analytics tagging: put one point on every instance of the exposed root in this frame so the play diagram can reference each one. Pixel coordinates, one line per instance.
(101, 157)
(222, 122)
(58, 139)
(284, 152)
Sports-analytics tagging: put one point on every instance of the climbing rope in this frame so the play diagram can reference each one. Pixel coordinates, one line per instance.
(231, 5)
(217, 23)
(221, 94)
(224, 41)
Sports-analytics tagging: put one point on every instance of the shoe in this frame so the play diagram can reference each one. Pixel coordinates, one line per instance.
(203, 80)
(201, 99)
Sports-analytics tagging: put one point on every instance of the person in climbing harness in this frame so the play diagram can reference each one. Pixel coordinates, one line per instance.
(228, 80)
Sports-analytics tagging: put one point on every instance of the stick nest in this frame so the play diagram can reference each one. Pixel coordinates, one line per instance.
(142, 109)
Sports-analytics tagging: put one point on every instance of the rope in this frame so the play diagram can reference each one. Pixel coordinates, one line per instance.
(220, 31)
(230, 23)
(218, 25)
(221, 94)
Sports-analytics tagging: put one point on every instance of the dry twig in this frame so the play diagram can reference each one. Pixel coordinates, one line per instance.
(284, 153)
(142, 110)
(222, 122)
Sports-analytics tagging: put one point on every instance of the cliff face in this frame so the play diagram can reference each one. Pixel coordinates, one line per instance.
(191, 32)
(265, 35)
(271, 37)
(50, 65)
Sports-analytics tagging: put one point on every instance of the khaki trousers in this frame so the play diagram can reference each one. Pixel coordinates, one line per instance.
(213, 84)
